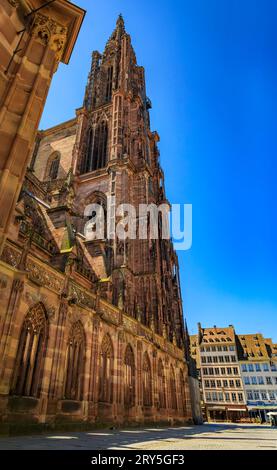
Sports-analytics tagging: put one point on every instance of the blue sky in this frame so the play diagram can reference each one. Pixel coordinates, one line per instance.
(211, 69)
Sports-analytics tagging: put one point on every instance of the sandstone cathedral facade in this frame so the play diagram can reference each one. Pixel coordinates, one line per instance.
(92, 330)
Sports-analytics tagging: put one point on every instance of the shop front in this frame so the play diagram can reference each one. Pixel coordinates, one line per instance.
(229, 414)
(258, 412)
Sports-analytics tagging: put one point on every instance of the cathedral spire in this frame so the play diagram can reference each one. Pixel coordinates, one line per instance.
(88, 99)
(119, 30)
(120, 25)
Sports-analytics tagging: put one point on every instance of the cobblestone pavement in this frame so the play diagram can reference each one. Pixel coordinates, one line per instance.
(208, 436)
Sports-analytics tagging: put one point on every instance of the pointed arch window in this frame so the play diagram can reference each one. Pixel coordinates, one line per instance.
(183, 392)
(75, 360)
(97, 147)
(109, 85)
(31, 353)
(161, 385)
(129, 378)
(173, 395)
(147, 385)
(53, 165)
(87, 166)
(99, 158)
(106, 371)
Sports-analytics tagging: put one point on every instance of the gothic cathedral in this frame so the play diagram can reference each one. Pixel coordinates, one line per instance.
(92, 330)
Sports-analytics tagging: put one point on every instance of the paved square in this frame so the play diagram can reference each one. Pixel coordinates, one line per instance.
(208, 436)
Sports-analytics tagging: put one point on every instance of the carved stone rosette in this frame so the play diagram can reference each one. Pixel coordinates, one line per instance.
(11, 256)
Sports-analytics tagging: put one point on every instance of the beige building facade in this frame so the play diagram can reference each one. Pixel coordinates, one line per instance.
(258, 365)
(223, 394)
(237, 374)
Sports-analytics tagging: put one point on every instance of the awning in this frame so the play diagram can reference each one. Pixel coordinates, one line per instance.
(237, 409)
(256, 408)
(216, 408)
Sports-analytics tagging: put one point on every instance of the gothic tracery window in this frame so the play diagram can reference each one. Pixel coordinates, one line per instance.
(129, 377)
(100, 146)
(161, 385)
(75, 363)
(87, 164)
(106, 371)
(53, 164)
(173, 395)
(31, 353)
(109, 85)
(97, 147)
(146, 378)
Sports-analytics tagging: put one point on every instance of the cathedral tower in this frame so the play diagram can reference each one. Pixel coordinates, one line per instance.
(117, 156)
(92, 328)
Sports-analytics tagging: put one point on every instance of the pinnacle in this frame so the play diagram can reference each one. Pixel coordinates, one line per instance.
(120, 21)
(120, 25)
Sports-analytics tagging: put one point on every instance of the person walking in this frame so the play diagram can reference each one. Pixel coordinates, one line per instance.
(272, 420)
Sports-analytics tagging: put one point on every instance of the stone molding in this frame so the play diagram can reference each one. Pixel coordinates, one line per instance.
(11, 256)
(42, 277)
(81, 297)
(45, 30)
(14, 3)
(49, 33)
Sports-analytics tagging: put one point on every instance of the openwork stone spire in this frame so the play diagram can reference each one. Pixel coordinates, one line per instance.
(120, 25)
(118, 32)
